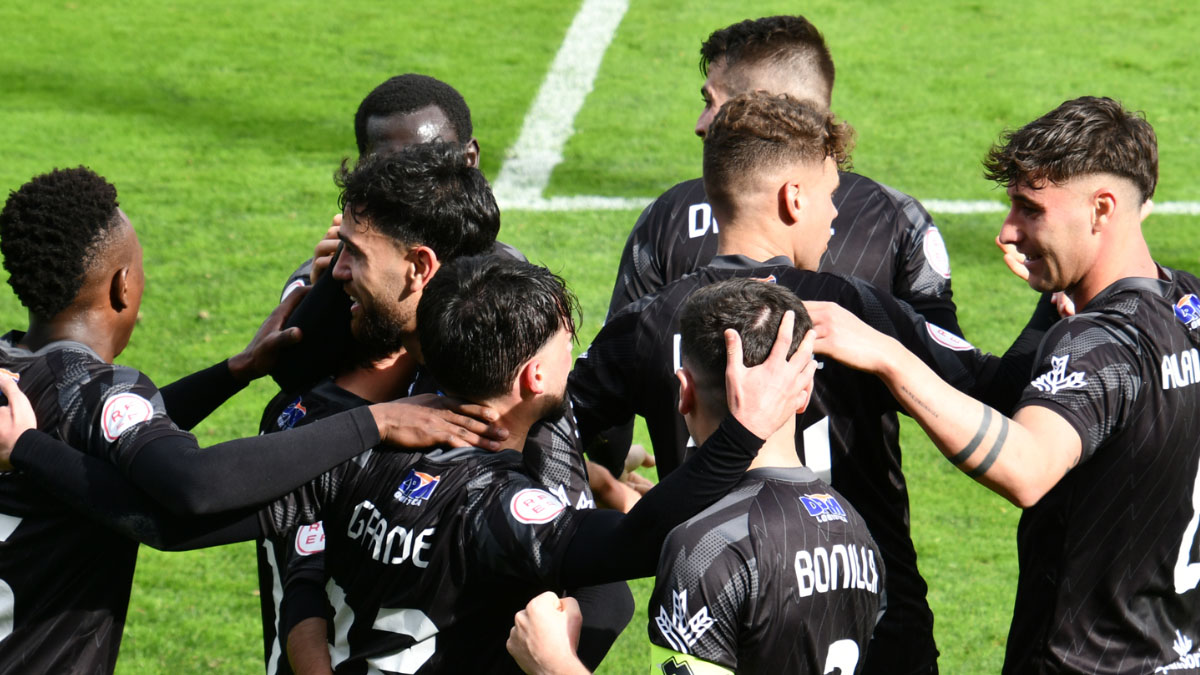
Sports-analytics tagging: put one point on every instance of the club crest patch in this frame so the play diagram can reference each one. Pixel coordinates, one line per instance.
(535, 506)
(416, 488)
(310, 539)
(291, 415)
(1058, 378)
(1187, 310)
(824, 507)
(935, 252)
(947, 339)
(122, 412)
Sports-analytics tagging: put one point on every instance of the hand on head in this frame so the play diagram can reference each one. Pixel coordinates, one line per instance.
(765, 397)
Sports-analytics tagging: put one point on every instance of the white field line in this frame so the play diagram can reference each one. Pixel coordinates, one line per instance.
(525, 173)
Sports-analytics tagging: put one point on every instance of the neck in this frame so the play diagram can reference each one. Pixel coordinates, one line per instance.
(78, 327)
(383, 380)
(742, 236)
(780, 450)
(514, 416)
(1124, 258)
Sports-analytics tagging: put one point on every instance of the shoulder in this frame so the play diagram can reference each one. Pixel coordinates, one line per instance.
(857, 192)
(671, 204)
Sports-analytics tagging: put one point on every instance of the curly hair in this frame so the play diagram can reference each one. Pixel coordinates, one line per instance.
(788, 44)
(1083, 136)
(425, 194)
(52, 230)
(408, 93)
(758, 131)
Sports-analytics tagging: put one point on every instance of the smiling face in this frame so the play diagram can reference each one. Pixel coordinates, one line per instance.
(373, 269)
(1052, 227)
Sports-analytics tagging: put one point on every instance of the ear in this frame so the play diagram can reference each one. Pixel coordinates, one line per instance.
(118, 290)
(791, 202)
(471, 151)
(1104, 207)
(423, 264)
(687, 392)
(531, 379)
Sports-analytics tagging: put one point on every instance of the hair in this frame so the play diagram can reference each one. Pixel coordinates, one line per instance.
(409, 93)
(1087, 135)
(52, 232)
(423, 195)
(789, 45)
(481, 318)
(752, 307)
(760, 131)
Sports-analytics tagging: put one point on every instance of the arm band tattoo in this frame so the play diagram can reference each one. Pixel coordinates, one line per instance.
(971, 447)
(993, 453)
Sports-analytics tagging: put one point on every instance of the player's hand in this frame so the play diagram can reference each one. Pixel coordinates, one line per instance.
(324, 250)
(428, 420)
(638, 458)
(1014, 259)
(15, 419)
(637, 482)
(545, 635)
(765, 397)
(844, 337)
(260, 355)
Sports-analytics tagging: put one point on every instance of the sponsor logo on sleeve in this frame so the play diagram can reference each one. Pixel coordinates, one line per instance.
(292, 414)
(310, 539)
(535, 507)
(416, 488)
(935, 252)
(122, 412)
(680, 629)
(1188, 659)
(1187, 310)
(947, 339)
(1058, 378)
(824, 507)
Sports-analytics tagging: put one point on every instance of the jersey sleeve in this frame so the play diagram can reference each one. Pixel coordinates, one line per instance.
(640, 271)
(605, 383)
(297, 279)
(521, 529)
(1087, 374)
(923, 265)
(700, 588)
(303, 578)
(306, 503)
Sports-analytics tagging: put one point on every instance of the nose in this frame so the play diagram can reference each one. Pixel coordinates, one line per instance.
(703, 121)
(1009, 233)
(341, 269)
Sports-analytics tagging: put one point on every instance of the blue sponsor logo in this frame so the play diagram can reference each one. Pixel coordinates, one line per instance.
(291, 415)
(1187, 310)
(824, 507)
(416, 487)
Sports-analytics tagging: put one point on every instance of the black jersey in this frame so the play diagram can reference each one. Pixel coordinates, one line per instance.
(880, 235)
(1109, 558)
(428, 554)
(780, 576)
(64, 580)
(299, 553)
(629, 369)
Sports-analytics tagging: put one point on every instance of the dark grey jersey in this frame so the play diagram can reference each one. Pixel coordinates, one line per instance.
(780, 576)
(1110, 557)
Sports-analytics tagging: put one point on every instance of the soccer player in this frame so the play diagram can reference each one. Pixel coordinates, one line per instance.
(879, 234)
(75, 263)
(434, 552)
(770, 170)
(1102, 452)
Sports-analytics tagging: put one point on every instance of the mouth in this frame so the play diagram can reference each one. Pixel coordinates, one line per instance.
(355, 305)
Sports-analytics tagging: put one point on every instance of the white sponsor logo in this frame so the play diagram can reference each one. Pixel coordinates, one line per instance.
(935, 252)
(1180, 370)
(535, 506)
(390, 546)
(310, 539)
(1188, 660)
(700, 219)
(680, 629)
(846, 567)
(1058, 378)
(947, 339)
(122, 412)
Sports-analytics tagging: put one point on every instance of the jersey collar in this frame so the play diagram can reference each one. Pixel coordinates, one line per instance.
(741, 262)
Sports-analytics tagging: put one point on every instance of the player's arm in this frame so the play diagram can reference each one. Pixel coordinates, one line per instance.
(633, 279)
(1020, 458)
(308, 647)
(603, 386)
(544, 636)
(923, 269)
(303, 614)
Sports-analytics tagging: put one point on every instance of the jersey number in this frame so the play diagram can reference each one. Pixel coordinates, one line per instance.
(410, 622)
(8, 601)
(1187, 573)
(842, 658)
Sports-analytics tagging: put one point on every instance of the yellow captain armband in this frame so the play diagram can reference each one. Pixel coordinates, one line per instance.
(665, 661)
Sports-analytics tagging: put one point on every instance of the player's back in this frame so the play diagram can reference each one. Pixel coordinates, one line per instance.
(780, 576)
(64, 580)
(430, 555)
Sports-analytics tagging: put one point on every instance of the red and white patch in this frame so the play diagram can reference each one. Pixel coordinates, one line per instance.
(122, 412)
(310, 539)
(535, 506)
(291, 288)
(947, 339)
(935, 252)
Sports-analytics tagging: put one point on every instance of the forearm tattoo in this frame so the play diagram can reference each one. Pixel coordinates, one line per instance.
(993, 453)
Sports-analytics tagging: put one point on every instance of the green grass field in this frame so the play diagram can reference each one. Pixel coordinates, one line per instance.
(221, 124)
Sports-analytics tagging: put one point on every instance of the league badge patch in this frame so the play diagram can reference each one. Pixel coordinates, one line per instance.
(416, 488)
(291, 415)
(935, 252)
(122, 412)
(535, 507)
(947, 339)
(824, 507)
(1187, 310)
(310, 539)
(770, 279)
